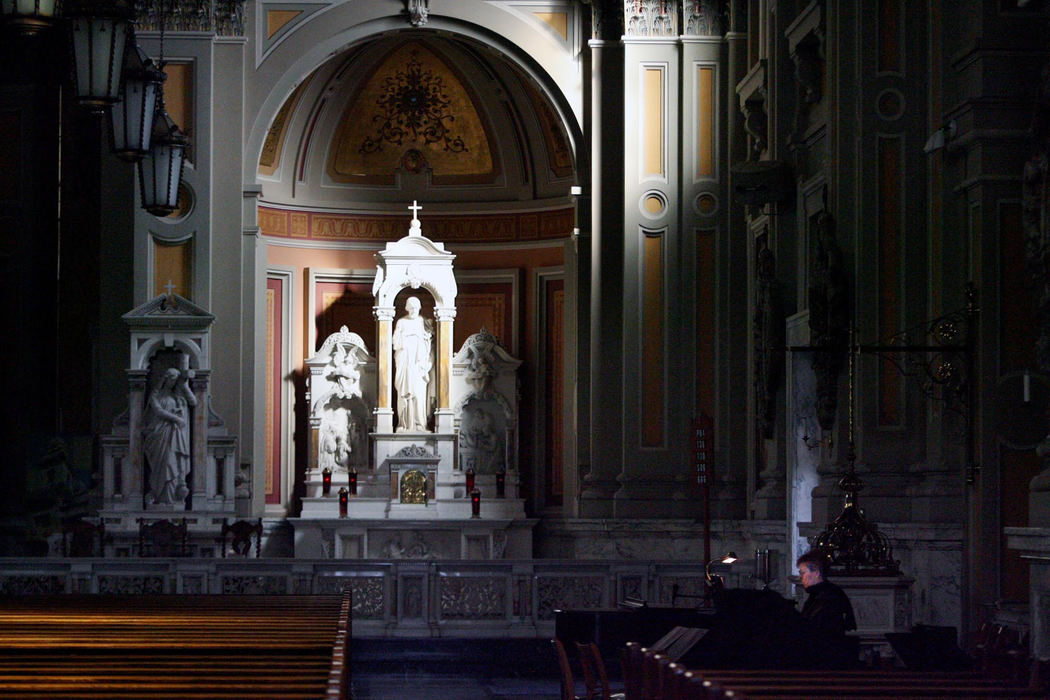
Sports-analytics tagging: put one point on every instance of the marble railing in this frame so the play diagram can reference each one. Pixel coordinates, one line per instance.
(407, 598)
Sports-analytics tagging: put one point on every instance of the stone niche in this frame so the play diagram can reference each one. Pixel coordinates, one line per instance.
(169, 371)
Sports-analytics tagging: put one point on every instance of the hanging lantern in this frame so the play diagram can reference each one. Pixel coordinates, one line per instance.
(100, 31)
(160, 171)
(28, 16)
(132, 119)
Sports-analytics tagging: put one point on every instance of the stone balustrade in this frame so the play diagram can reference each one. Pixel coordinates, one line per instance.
(407, 598)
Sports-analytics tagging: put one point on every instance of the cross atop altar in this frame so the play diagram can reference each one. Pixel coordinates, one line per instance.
(415, 227)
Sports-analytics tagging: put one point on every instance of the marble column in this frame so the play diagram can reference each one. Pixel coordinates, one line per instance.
(606, 356)
(443, 416)
(384, 412)
(199, 438)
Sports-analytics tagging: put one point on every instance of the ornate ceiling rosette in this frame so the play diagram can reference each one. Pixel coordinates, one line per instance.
(414, 105)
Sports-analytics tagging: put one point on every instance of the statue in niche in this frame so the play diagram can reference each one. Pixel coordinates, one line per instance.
(344, 373)
(335, 440)
(481, 442)
(768, 341)
(829, 318)
(481, 370)
(341, 408)
(166, 436)
(412, 364)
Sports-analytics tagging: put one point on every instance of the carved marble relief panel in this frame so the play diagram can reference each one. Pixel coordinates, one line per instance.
(576, 592)
(473, 597)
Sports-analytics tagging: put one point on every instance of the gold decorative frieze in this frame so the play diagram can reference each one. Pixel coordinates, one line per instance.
(479, 228)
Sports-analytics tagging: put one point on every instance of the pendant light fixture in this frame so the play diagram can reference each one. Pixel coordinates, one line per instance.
(100, 31)
(132, 118)
(160, 171)
(28, 16)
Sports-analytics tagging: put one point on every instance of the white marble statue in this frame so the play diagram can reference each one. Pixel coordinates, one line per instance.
(481, 441)
(412, 364)
(166, 437)
(481, 371)
(335, 440)
(344, 373)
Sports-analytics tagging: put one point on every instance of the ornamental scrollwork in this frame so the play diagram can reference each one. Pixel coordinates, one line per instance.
(650, 18)
(579, 592)
(413, 451)
(254, 585)
(705, 17)
(32, 585)
(473, 597)
(130, 585)
(413, 106)
(223, 17)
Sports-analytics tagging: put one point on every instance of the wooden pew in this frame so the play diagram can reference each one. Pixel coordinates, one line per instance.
(662, 680)
(175, 646)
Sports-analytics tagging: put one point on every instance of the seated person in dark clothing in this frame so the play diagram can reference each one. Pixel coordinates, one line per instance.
(827, 612)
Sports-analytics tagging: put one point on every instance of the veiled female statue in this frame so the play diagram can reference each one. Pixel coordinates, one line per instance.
(166, 437)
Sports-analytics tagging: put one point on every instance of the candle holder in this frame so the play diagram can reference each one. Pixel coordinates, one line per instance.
(475, 503)
(344, 499)
(470, 480)
(353, 482)
(326, 482)
(501, 484)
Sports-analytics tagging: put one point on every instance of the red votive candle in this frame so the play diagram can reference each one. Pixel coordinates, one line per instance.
(475, 504)
(326, 481)
(344, 498)
(470, 480)
(501, 484)
(353, 482)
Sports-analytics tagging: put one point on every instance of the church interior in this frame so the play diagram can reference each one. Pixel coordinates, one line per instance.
(482, 310)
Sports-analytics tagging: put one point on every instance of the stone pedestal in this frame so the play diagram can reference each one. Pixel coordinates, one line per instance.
(881, 604)
(1034, 545)
(424, 537)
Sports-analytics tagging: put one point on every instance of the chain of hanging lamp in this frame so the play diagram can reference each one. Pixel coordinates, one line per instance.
(160, 172)
(852, 544)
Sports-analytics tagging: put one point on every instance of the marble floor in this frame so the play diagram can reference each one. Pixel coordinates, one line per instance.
(489, 669)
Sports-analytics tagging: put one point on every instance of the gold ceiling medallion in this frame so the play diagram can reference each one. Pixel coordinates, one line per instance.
(413, 106)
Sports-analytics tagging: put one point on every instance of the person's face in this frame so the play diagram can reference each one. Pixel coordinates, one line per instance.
(810, 574)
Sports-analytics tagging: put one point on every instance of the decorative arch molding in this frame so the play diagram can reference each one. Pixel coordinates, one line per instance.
(551, 67)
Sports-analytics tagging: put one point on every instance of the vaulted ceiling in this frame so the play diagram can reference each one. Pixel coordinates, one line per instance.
(417, 115)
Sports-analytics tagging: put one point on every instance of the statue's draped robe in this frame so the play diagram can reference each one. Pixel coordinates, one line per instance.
(411, 344)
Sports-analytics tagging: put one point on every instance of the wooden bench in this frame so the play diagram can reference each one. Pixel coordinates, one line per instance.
(651, 676)
(175, 646)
